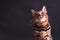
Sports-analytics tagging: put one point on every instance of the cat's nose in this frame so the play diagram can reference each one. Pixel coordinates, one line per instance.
(40, 16)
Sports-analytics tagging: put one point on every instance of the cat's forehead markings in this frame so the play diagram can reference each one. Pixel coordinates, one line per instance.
(40, 12)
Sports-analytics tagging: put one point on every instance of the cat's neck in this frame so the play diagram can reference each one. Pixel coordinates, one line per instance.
(41, 28)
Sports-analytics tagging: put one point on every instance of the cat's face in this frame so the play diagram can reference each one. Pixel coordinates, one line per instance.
(40, 17)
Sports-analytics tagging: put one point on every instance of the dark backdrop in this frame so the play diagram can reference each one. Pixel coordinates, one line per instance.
(16, 20)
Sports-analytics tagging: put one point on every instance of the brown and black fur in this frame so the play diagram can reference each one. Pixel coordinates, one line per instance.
(42, 28)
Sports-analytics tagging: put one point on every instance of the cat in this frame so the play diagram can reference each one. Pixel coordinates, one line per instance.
(42, 28)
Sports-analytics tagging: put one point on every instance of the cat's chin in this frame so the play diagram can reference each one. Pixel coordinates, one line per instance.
(42, 20)
(42, 24)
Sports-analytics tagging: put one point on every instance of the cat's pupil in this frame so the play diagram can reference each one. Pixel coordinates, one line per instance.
(37, 14)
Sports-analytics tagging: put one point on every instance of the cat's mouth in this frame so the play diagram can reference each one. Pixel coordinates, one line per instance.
(43, 19)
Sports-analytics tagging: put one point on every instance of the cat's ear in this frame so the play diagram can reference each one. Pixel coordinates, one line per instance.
(44, 9)
(32, 12)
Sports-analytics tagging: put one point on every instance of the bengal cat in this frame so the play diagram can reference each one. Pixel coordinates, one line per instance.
(42, 28)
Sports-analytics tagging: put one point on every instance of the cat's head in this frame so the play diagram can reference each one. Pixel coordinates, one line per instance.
(40, 17)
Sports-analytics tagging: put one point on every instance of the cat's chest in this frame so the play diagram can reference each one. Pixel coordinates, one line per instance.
(44, 33)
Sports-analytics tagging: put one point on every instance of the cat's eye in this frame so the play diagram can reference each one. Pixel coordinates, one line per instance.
(37, 14)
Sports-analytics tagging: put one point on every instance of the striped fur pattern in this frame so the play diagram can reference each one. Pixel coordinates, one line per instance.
(42, 28)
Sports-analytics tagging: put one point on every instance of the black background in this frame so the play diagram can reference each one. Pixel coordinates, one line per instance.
(16, 20)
